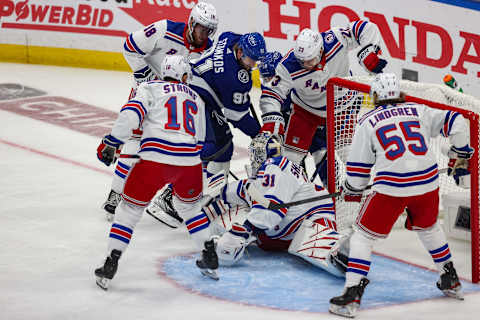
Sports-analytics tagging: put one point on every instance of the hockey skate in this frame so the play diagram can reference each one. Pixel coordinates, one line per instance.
(347, 304)
(111, 204)
(161, 208)
(449, 283)
(208, 265)
(107, 272)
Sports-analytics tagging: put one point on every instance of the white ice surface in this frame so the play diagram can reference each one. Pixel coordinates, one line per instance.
(53, 234)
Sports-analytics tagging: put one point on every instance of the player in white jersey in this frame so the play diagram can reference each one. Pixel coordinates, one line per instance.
(302, 75)
(144, 51)
(306, 230)
(394, 138)
(173, 119)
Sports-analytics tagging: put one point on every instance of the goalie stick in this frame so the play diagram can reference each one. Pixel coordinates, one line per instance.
(257, 196)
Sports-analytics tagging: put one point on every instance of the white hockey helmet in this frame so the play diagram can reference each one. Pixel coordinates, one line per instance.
(174, 67)
(308, 46)
(386, 86)
(263, 146)
(204, 14)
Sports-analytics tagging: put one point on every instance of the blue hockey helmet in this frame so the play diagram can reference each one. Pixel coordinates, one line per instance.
(253, 45)
(269, 63)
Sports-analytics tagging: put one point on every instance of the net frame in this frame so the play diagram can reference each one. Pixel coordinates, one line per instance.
(468, 106)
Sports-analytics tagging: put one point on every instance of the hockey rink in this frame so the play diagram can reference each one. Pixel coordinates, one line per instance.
(54, 234)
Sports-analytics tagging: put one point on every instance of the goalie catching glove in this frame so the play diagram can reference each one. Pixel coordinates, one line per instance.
(273, 122)
(107, 150)
(231, 245)
(458, 165)
(369, 59)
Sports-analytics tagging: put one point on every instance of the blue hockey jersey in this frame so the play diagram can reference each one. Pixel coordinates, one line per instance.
(224, 84)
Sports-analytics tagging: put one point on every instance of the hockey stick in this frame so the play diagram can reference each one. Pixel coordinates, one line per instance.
(255, 194)
(254, 113)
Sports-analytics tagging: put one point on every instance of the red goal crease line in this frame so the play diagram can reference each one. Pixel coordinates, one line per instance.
(26, 26)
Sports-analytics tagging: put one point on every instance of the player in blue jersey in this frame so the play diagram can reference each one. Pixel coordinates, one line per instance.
(144, 51)
(222, 77)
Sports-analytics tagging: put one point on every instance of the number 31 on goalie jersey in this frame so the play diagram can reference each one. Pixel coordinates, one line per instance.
(409, 136)
(189, 109)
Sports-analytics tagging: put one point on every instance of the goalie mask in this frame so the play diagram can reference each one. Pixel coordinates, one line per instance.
(262, 147)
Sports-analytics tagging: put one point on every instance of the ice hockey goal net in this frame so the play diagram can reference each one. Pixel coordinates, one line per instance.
(348, 100)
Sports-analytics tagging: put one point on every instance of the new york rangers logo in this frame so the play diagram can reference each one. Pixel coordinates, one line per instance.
(329, 38)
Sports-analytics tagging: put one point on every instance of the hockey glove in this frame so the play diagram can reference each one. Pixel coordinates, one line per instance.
(350, 194)
(458, 165)
(107, 150)
(273, 122)
(368, 58)
(231, 245)
(145, 74)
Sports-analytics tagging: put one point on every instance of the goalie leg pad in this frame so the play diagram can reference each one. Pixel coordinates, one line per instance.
(319, 244)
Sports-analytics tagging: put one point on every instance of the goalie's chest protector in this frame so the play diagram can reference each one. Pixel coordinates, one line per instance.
(293, 187)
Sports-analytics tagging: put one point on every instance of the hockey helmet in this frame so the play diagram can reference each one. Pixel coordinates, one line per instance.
(386, 86)
(263, 146)
(269, 63)
(309, 45)
(174, 67)
(253, 45)
(204, 14)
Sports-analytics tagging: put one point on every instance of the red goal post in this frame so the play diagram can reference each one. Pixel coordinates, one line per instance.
(348, 99)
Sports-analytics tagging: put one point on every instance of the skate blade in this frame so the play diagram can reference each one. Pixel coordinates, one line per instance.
(103, 283)
(348, 311)
(212, 274)
(454, 293)
(165, 219)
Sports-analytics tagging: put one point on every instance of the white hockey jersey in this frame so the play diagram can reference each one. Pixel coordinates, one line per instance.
(145, 49)
(395, 138)
(280, 181)
(173, 120)
(308, 87)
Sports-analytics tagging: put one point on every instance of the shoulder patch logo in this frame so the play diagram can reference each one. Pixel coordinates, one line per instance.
(243, 76)
(329, 37)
